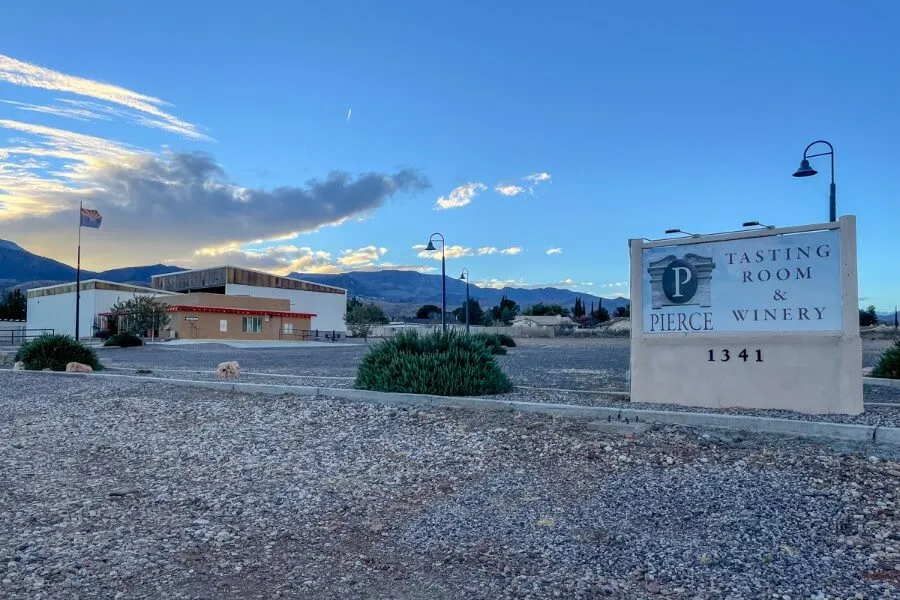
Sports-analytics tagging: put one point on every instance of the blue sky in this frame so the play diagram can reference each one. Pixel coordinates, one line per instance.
(634, 117)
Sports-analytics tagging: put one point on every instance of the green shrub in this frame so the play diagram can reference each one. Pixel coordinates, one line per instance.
(54, 351)
(491, 341)
(506, 340)
(445, 364)
(124, 340)
(888, 366)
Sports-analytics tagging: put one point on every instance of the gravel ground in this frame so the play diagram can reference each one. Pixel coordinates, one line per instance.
(121, 490)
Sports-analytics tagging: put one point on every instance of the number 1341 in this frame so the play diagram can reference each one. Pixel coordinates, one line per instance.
(725, 355)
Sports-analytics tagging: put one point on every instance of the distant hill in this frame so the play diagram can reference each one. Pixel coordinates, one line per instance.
(24, 270)
(401, 293)
(415, 289)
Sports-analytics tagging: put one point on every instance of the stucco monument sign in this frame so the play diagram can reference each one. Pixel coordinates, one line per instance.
(754, 319)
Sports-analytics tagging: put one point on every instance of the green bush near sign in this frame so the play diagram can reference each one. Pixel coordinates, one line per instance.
(443, 364)
(888, 366)
(54, 352)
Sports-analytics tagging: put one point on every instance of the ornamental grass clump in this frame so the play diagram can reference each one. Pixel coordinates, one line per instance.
(443, 364)
(54, 352)
(888, 366)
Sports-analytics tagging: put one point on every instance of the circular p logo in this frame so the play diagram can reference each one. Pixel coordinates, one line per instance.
(679, 281)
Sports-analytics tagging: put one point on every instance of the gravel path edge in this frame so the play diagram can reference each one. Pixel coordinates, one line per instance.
(814, 429)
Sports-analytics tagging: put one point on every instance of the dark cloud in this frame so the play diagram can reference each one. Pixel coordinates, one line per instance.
(181, 185)
(166, 207)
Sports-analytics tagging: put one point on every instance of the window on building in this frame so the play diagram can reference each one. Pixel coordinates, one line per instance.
(252, 324)
(223, 325)
(289, 328)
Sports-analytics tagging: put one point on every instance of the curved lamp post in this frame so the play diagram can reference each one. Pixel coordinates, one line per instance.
(805, 170)
(465, 277)
(430, 247)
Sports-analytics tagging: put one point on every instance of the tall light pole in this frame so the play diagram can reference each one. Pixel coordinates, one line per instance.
(430, 247)
(465, 277)
(807, 171)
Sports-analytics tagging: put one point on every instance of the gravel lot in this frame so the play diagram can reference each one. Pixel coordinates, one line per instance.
(565, 363)
(121, 490)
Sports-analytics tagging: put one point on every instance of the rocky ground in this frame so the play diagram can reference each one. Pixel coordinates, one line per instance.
(121, 490)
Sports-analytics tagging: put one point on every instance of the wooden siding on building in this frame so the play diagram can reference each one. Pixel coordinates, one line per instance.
(219, 277)
(91, 284)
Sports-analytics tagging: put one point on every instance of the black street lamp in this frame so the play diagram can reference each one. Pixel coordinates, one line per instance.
(668, 231)
(757, 224)
(465, 277)
(805, 170)
(430, 247)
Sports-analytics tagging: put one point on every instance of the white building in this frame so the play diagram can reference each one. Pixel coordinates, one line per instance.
(53, 307)
(327, 304)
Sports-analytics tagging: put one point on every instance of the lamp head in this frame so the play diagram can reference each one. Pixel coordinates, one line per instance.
(804, 170)
(463, 275)
(430, 247)
(673, 231)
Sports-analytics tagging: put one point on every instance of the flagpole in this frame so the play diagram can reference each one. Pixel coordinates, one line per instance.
(78, 274)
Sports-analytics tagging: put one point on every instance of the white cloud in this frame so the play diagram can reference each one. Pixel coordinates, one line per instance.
(487, 250)
(147, 108)
(450, 252)
(552, 251)
(536, 178)
(289, 258)
(614, 284)
(460, 196)
(512, 250)
(509, 189)
(362, 256)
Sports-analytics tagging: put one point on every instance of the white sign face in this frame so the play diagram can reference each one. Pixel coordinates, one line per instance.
(775, 283)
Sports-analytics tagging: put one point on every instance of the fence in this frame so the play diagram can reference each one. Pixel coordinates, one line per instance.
(17, 336)
(517, 332)
(310, 335)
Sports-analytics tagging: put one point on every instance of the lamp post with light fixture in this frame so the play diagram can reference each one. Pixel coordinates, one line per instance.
(430, 247)
(465, 277)
(805, 170)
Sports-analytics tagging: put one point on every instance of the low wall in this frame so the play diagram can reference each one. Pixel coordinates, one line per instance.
(516, 332)
(12, 332)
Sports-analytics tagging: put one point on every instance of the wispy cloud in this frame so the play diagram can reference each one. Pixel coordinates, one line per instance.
(147, 108)
(450, 252)
(536, 178)
(361, 256)
(552, 251)
(512, 251)
(460, 196)
(487, 250)
(288, 258)
(509, 189)
(567, 283)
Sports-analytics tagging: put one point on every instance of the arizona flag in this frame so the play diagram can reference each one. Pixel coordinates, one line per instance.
(90, 218)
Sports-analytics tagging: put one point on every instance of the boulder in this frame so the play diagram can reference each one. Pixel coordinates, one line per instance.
(19, 366)
(228, 370)
(76, 367)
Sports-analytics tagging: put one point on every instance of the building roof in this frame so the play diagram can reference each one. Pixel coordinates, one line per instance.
(92, 284)
(240, 311)
(219, 276)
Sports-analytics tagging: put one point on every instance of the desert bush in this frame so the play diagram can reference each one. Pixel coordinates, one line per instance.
(506, 340)
(445, 364)
(491, 341)
(123, 340)
(888, 365)
(54, 352)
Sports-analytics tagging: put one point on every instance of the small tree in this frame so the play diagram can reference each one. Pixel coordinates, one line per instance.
(12, 305)
(362, 318)
(140, 314)
(546, 310)
(578, 311)
(868, 317)
(506, 311)
(623, 311)
(476, 313)
(429, 311)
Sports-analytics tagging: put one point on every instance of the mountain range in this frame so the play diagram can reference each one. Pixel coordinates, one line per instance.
(400, 293)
